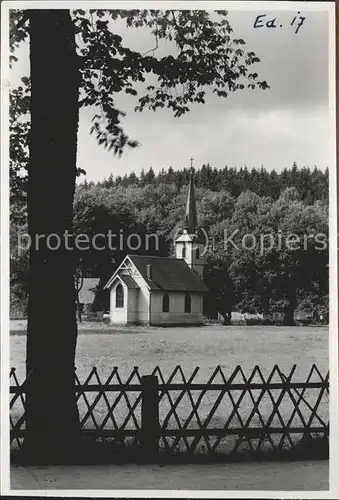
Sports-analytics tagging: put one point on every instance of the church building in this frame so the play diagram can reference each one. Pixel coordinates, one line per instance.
(162, 290)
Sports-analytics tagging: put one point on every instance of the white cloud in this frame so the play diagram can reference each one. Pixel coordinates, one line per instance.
(274, 138)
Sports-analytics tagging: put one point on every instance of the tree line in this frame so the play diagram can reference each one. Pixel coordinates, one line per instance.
(270, 271)
(287, 268)
(311, 183)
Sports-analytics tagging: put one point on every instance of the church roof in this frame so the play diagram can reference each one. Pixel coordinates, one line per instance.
(129, 281)
(168, 274)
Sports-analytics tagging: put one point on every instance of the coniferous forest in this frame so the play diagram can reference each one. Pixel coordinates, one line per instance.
(312, 184)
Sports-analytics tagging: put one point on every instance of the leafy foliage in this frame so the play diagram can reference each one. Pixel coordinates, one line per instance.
(19, 126)
(205, 56)
(202, 54)
(18, 28)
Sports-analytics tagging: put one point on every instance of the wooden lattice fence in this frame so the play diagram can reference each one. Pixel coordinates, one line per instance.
(178, 414)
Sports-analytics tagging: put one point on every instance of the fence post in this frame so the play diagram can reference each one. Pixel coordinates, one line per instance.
(149, 416)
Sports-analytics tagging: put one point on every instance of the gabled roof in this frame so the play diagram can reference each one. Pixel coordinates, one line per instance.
(88, 290)
(129, 281)
(168, 274)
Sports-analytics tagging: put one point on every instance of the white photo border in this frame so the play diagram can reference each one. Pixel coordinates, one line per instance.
(333, 492)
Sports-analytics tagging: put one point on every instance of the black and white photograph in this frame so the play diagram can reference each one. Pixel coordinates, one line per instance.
(169, 249)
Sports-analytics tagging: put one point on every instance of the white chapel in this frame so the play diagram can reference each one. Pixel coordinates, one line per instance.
(162, 290)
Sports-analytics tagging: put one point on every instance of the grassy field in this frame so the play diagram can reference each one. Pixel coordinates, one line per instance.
(205, 347)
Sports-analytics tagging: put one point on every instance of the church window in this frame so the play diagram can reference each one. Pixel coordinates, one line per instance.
(183, 251)
(187, 303)
(165, 303)
(197, 253)
(119, 296)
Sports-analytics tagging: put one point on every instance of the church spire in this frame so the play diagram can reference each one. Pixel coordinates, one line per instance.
(191, 219)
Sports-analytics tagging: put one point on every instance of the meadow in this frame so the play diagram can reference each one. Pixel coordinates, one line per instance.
(204, 347)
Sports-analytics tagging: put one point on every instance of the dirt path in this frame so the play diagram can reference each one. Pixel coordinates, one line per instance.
(283, 476)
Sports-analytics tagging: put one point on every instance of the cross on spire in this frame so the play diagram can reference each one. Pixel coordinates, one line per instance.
(192, 168)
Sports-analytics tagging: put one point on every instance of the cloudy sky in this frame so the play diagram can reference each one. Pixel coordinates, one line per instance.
(273, 128)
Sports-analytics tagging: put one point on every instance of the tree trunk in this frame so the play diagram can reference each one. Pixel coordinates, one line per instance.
(227, 317)
(78, 305)
(79, 309)
(78, 287)
(52, 415)
(289, 310)
(289, 317)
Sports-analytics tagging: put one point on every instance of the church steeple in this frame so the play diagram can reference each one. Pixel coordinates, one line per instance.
(188, 245)
(191, 219)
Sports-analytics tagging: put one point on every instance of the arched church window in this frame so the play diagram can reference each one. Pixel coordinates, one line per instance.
(187, 303)
(165, 303)
(183, 254)
(119, 296)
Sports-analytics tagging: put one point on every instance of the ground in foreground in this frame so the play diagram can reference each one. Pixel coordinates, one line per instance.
(283, 476)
